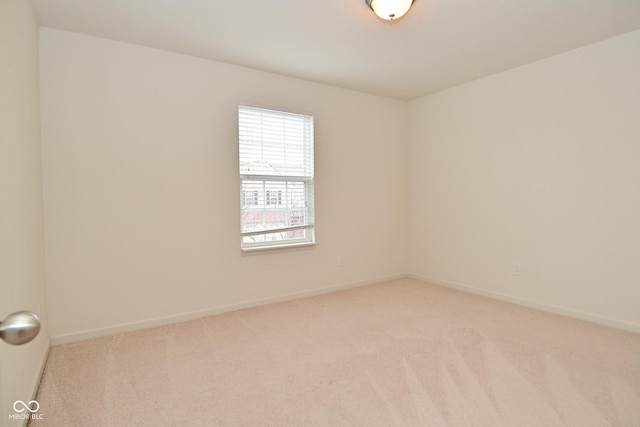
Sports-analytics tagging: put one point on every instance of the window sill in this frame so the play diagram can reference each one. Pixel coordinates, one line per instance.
(277, 248)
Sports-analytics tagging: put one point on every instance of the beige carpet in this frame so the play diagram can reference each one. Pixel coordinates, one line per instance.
(400, 353)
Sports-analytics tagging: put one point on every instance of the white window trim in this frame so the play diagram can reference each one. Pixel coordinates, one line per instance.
(278, 248)
(309, 181)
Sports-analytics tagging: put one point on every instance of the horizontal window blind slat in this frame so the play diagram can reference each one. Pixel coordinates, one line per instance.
(276, 178)
(277, 230)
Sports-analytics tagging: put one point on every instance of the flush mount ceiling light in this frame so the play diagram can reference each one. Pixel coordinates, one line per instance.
(389, 10)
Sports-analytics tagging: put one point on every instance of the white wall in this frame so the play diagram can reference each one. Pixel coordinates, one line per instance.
(22, 275)
(141, 189)
(538, 165)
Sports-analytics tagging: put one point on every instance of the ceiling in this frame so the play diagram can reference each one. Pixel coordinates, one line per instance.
(438, 44)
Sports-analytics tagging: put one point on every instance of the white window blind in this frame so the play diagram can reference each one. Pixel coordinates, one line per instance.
(276, 175)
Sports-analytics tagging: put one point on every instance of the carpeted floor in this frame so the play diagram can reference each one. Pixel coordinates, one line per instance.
(400, 353)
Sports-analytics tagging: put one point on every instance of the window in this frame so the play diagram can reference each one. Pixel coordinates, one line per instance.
(276, 176)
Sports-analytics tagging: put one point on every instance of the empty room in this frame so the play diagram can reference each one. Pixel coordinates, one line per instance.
(308, 213)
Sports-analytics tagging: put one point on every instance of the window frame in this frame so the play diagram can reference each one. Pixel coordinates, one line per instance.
(276, 198)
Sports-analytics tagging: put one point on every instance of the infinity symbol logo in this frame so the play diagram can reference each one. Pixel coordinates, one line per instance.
(26, 406)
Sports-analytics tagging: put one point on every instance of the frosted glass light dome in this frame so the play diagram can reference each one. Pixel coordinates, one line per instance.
(390, 9)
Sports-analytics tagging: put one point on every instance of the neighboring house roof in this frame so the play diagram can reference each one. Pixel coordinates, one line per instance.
(259, 167)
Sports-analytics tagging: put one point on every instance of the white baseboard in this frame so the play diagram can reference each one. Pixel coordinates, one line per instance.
(183, 317)
(576, 314)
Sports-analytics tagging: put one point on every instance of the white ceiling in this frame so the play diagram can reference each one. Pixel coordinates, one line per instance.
(438, 44)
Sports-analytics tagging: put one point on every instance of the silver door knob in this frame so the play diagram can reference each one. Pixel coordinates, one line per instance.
(19, 327)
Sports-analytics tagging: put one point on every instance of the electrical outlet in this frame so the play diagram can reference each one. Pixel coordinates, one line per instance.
(340, 260)
(517, 269)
